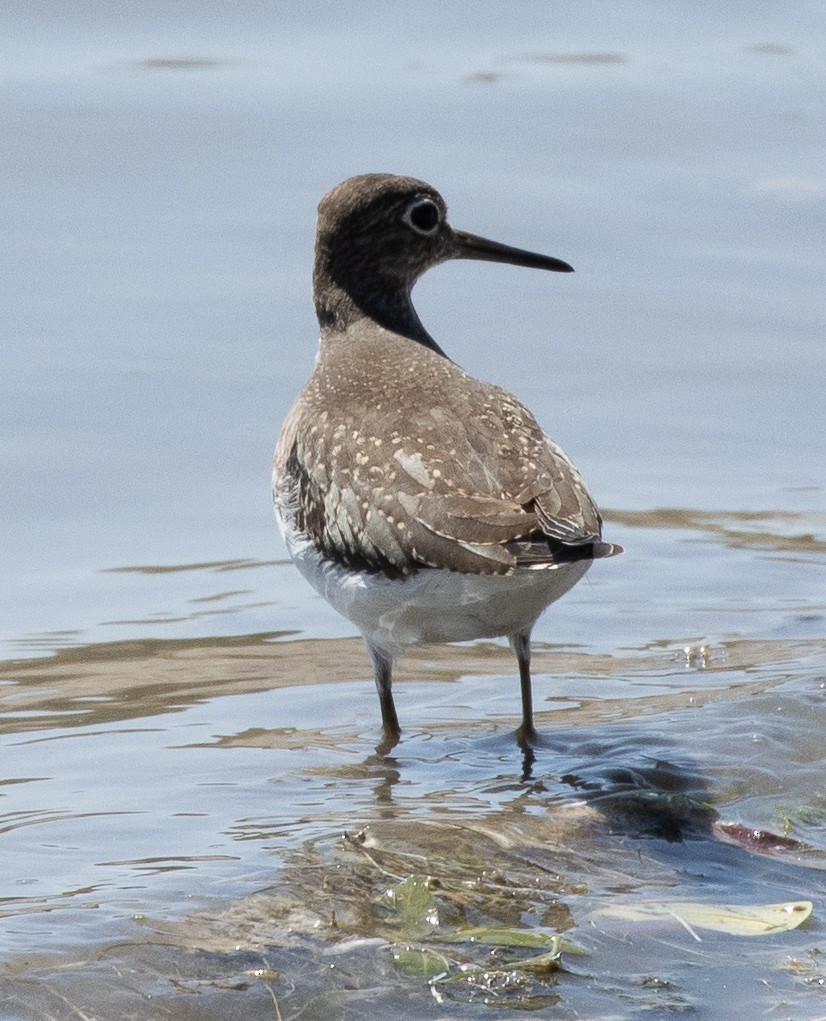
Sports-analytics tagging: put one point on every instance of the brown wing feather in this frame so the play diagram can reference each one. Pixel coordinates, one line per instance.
(474, 487)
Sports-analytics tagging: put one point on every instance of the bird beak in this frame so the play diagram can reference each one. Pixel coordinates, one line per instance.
(469, 246)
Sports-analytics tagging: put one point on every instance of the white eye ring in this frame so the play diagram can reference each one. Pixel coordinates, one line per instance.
(423, 216)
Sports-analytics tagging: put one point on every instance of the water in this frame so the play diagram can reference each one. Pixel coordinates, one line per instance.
(187, 729)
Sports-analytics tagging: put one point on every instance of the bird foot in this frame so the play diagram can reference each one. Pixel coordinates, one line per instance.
(389, 740)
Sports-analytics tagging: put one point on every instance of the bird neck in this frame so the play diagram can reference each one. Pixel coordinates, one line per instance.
(342, 302)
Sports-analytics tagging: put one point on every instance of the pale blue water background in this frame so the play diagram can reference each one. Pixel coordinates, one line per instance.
(161, 167)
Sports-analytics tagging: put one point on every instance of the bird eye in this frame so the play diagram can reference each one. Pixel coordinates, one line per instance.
(424, 216)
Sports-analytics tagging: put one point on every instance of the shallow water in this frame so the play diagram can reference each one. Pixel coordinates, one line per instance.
(187, 730)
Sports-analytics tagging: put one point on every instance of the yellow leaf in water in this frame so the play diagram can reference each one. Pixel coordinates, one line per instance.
(734, 919)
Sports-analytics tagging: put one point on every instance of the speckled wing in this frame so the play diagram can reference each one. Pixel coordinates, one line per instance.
(480, 494)
(516, 498)
(548, 521)
(563, 506)
(323, 496)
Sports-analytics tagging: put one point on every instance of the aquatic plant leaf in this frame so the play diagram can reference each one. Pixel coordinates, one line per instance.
(416, 962)
(567, 946)
(499, 936)
(734, 919)
(801, 813)
(541, 964)
(411, 905)
(502, 936)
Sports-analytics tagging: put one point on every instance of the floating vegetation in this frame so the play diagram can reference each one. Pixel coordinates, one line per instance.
(733, 919)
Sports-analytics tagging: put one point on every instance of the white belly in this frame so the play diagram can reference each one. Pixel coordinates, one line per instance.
(433, 605)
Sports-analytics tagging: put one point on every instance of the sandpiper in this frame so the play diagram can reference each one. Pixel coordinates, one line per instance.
(424, 505)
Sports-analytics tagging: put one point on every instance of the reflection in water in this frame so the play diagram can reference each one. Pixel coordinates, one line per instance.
(181, 64)
(570, 58)
(113, 681)
(501, 910)
(737, 529)
(208, 565)
(648, 765)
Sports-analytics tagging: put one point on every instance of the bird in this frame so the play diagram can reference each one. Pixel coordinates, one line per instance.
(424, 505)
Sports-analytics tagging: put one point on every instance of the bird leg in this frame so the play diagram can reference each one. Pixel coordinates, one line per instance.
(383, 676)
(520, 642)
